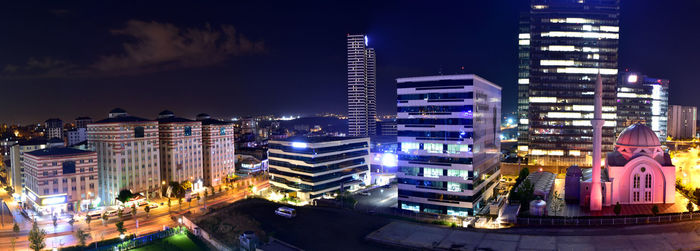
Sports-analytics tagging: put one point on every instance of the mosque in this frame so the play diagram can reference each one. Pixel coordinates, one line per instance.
(637, 172)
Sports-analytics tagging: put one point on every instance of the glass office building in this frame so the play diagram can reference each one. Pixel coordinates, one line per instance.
(449, 146)
(563, 46)
(642, 99)
(308, 167)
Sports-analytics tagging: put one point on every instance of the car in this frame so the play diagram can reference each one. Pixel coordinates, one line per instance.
(153, 205)
(286, 212)
(365, 193)
(112, 212)
(94, 215)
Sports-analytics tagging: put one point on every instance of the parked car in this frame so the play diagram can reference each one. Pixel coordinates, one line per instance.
(365, 193)
(94, 215)
(112, 212)
(286, 212)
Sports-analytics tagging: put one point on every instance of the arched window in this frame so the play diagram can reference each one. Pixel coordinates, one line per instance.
(636, 181)
(647, 181)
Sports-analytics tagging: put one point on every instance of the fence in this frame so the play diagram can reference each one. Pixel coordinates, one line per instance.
(118, 244)
(601, 221)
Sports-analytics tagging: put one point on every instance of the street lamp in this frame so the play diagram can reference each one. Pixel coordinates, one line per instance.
(121, 236)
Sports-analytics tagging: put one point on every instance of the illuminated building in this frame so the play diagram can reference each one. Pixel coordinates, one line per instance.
(60, 179)
(682, 121)
(127, 154)
(386, 127)
(362, 101)
(54, 128)
(312, 166)
(17, 177)
(76, 136)
(641, 99)
(449, 146)
(180, 148)
(217, 149)
(563, 45)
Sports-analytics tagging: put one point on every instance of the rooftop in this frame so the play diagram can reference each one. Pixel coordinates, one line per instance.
(33, 141)
(173, 119)
(214, 122)
(122, 119)
(318, 139)
(58, 151)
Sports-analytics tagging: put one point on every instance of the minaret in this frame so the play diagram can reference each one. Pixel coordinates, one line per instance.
(596, 200)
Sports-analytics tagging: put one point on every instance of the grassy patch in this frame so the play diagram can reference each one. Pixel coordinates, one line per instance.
(180, 241)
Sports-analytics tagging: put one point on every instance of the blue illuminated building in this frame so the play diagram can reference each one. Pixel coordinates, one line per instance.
(448, 133)
(642, 99)
(309, 167)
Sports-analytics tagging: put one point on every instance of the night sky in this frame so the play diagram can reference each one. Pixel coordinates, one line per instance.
(239, 58)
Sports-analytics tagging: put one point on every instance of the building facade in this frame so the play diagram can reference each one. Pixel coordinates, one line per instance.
(82, 122)
(128, 154)
(563, 45)
(309, 167)
(682, 121)
(17, 177)
(449, 145)
(61, 179)
(180, 148)
(75, 136)
(641, 99)
(54, 128)
(217, 150)
(362, 100)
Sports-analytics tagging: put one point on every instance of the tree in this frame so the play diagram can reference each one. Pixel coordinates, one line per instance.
(125, 195)
(133, 210)
(120, 213)
(36, 238)
(147, 209)
(557, 203)
(690, 209)
(617, 209)
(105, 218)
(71, 222)
(88, 219)
(81, 236)
(655, 210)
(179, 202)
(15, 229)
(522, 175)
(206, 193)
(120, 227)
(169, 205)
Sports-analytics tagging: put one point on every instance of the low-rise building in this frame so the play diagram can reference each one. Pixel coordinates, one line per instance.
(61, 180)
(16, 177)
(308, 167)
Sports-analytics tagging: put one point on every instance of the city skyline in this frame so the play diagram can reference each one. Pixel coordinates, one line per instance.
(73, 60)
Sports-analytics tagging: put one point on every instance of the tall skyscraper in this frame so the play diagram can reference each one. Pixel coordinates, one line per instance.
(563, 45)
(362, 101)
(449, 145)
(127, 154)
(642, 99)
(682, 121)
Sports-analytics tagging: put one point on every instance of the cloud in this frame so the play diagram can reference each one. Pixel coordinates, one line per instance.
(149, 47)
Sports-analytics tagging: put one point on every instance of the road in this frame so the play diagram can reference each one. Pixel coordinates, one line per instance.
(379, 199)
(63, 234)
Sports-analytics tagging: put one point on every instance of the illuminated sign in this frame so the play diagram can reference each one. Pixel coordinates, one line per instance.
(632, 78)
(366, 41)
(299, 145)
(390, 160)
(53, 200)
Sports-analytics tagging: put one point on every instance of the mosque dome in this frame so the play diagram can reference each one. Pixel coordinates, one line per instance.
(638, 135)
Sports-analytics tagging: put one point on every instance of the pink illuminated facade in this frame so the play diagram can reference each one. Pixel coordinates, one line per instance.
(217, 149)
(180, 148)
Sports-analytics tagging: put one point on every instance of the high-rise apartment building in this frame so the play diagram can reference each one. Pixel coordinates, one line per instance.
(54, 128)
(449, 146)
(313, 166)
(127, 154)
(217, 150)
(642, 99)
(362, 99)
(180, 148)
(82, 122)
(682, 121)
(563, 46)
(61, 179)
(17, 177)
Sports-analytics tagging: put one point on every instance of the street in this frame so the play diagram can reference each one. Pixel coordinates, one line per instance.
(63, 234)
(380, 198)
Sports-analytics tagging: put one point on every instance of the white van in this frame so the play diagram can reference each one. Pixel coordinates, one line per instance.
(286, 212)
(94, 215)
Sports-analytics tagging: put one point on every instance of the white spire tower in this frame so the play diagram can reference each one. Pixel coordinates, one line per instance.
(596, 199)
